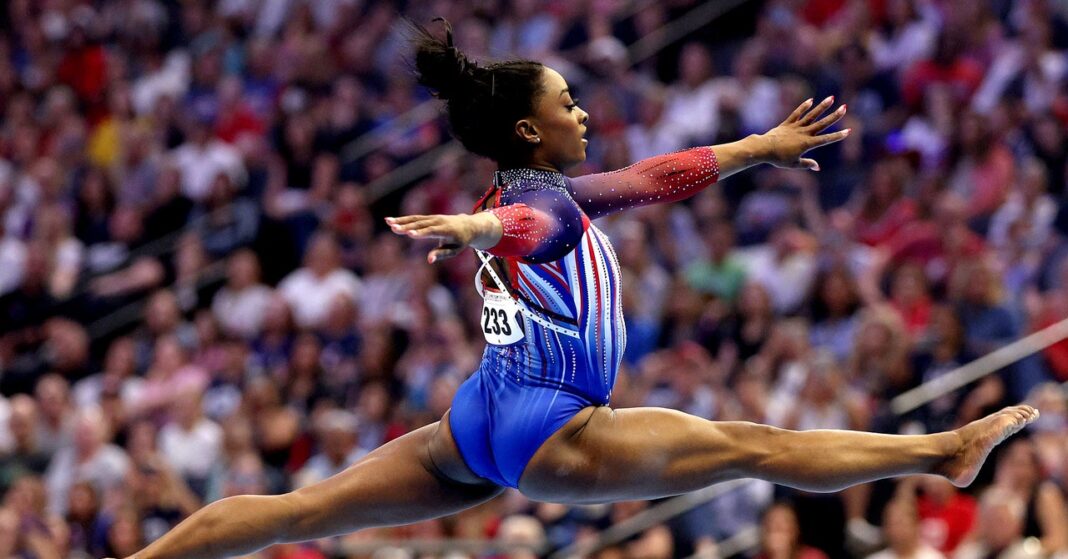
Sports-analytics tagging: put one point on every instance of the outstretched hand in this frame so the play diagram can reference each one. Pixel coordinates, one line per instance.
(800, 132)
(453, 232)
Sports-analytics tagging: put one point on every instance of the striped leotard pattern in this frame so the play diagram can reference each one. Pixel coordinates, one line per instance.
(558, 261)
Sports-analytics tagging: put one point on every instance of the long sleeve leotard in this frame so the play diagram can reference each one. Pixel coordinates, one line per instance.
(558, 260)
(572, 330)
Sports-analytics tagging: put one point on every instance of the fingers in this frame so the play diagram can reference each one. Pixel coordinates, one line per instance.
(813, 114)
(436, 231)
(429, 227)
(824, 139)
(827, 121)
(443, 252)
(407, 224)
(809, 164)
(404, 220)
(799, 111)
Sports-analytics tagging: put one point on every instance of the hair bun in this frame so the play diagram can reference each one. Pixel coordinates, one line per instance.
(440, 65)
(482, 103)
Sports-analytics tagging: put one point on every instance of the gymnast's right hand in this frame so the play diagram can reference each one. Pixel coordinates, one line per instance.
(454, 232)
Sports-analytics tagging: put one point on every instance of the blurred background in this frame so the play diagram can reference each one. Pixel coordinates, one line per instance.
(199, 297)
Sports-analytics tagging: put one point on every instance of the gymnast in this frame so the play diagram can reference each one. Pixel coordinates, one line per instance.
(535, 416)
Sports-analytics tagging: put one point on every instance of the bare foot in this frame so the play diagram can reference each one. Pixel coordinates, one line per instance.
(978, 438)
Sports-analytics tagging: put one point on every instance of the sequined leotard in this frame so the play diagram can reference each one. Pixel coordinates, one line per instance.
(566, 275)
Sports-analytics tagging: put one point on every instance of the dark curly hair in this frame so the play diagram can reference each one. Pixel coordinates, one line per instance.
(482, 103)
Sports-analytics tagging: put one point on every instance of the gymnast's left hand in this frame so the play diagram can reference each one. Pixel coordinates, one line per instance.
(454, 232)
(800, 132)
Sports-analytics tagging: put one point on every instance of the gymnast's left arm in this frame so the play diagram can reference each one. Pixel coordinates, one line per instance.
(679, 175)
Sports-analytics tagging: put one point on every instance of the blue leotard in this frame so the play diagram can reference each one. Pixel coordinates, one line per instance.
(566, 275)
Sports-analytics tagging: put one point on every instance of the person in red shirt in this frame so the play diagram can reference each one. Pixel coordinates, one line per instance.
(948, 66)
(946, 514)
(84, 69)
(884, 208)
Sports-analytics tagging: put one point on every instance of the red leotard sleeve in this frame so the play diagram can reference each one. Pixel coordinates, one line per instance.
(664, 178)
(538, 226)
(524, 229)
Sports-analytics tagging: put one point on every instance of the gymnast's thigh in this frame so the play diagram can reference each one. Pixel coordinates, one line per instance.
(397, 483)
(499, 423)
(605, 455)
(531, 416)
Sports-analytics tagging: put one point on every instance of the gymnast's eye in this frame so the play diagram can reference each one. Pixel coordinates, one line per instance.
(574, 103)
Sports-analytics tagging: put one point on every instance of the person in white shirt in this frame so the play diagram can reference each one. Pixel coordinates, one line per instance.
(998, 533)
(91, 458)
(190, 442)
(240, 305)
(338, 434)
(692, 106)
(12, 259)
(1029, 206)
(653, 134)
(908, 35)
(785, 265)
(311, 289)
(202, 158)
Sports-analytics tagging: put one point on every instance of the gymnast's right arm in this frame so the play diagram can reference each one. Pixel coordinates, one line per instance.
(538, 226)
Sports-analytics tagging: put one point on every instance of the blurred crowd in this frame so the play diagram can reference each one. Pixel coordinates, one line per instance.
(199, 298)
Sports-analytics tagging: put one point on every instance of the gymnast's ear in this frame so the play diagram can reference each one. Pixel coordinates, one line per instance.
(526, 131)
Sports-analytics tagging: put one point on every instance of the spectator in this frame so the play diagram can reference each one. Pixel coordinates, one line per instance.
(1050, 435)
(988, 323)
(947, 515)
(780, 536)
(525, 533)
(1045, 511)
(901, 528)
(120, 373)
(786, 267)
(161, 497)
(310, 289)
(57, 413)
(89, 458)
(885, 208)
(225, 224)
(834, 311)
(646, 292)
(84, 520)
(907, 36)
(999, 530)
(124, 534)
(203, 158)
(241, 304)
(338, 434)
(190, 443)
(170, 377)
(1029, 209)
(691, 109)
(26, 457)
(719, 274)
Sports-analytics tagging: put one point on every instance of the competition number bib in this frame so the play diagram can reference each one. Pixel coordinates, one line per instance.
(500, 319)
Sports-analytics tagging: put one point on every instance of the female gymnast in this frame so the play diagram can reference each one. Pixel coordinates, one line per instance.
(535, 416)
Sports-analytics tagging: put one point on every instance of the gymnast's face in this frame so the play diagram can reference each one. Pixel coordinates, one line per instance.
(556, 128)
